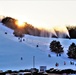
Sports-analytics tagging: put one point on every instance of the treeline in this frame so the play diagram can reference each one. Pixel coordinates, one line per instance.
(72, 31)
(37, 72)
(27, 29)
(31, 30)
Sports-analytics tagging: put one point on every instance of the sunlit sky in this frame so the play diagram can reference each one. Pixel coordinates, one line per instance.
(44, 13)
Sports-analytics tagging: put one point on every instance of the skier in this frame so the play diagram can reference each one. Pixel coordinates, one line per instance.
(64, 63)
(59, 54)
(37, 46)
(21, 58)
(23, 39)
(49, 55)
(72, 63)
(5, 32)
(56, 64)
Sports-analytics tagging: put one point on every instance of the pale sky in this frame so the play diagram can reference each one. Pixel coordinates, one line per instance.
(41, 13)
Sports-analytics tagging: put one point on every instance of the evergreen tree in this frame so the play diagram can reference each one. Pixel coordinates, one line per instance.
(72, 51)
(56, 47)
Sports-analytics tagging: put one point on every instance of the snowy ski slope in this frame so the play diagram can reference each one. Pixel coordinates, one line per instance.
(11, 50)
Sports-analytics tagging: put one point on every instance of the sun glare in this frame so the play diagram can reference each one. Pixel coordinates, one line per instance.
(20, 23)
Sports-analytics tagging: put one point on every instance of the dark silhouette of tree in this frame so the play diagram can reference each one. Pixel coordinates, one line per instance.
(72, 31)
(9, 22)
(56, 47)
(19, 33)
(72, 51)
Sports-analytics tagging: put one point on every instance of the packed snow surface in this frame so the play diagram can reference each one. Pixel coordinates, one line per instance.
(11, 51)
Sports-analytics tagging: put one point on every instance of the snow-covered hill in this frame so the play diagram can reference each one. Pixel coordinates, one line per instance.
(11, 51)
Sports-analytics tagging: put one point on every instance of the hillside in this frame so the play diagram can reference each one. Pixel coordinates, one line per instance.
(11, 51)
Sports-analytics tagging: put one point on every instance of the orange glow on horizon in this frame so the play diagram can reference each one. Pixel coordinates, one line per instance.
(20, 23)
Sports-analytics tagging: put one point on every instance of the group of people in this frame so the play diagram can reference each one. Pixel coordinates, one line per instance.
(57, 64)
(56, 55)
(71, 63)
(20, 39)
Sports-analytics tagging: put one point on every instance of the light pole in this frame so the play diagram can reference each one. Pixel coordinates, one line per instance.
(33, 65)
(33, 61)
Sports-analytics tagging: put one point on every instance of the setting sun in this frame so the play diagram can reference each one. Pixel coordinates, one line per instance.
(20, 23)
